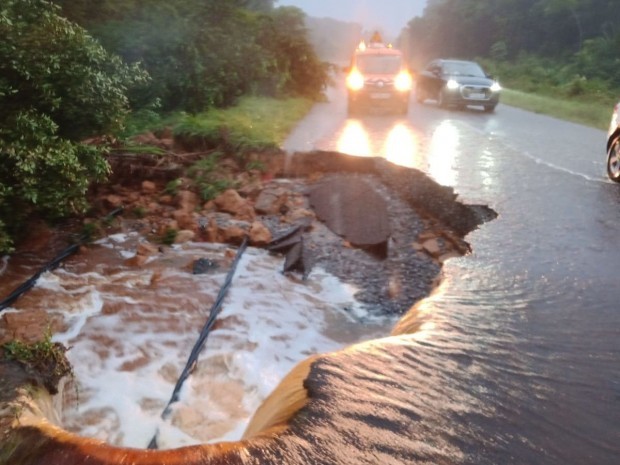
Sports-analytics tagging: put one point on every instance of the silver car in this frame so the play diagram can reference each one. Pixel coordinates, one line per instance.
(613, 146)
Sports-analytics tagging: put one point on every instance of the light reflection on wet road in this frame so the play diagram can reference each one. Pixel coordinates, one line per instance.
(534, 310)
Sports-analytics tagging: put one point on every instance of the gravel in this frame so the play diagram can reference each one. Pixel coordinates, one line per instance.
(385, 286)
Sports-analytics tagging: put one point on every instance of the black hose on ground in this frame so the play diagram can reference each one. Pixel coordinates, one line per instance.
(202, 338)
(52, 264)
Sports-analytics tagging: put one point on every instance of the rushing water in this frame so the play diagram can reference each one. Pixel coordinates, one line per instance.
(516, 361)
(130, 331)
(536, 305)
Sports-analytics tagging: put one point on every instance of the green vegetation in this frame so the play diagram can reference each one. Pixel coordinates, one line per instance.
(44, 358)
(131, 147)
(139, 212)
(206, 178)
(172, 188)
(75, 69)
(57, 86)
(169, 236)
(205, 53)
(256, 123)
(550, 87)
(579, 33)
(594, 114)
(89, 231)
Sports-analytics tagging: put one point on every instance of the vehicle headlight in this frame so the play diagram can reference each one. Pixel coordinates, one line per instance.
(403, 82)
(495, 87)
(355, 80)
(452, 85)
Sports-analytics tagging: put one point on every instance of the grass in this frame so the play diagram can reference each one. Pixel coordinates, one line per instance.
(45, 358)
(268, 119)
(555, 87)
(137, 148)
(209, 182)
(594, 114)
(255, 123)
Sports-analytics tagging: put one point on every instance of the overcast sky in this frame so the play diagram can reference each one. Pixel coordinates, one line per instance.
(389, 15)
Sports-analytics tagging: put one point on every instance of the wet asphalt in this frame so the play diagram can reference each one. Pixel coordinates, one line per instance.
(531, 319)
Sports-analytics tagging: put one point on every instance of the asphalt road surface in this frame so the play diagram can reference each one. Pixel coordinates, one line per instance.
(520, 354)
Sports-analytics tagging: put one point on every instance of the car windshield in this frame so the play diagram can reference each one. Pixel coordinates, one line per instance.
(463, 69)
(379, 64)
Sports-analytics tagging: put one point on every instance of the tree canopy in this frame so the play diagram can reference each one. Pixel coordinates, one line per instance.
(203, 53)
(583, 33)
(57, 86)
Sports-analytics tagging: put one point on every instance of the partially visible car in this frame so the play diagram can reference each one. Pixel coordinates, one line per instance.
(378, 78)
(457, 83)
(613, 145)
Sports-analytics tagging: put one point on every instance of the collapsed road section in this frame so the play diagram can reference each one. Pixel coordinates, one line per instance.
(325, 179)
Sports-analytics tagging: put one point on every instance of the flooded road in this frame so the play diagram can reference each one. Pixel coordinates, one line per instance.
(516, 361)
(531, 318)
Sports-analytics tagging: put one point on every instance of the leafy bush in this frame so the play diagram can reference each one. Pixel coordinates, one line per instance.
(599, 59)
(54, 66)
(57, 86)
(556, 78)
(139, 121)
(42, 172)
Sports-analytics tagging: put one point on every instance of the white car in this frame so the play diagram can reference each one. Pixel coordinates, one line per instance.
(613, 146)
(378, 77)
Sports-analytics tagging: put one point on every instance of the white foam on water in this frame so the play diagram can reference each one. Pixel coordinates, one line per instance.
(135, 327)
(118, 238)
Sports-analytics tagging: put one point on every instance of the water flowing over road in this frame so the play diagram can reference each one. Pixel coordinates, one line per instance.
(512, 360)
(519, 351)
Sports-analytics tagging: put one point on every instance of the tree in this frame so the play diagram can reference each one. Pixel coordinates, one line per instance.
(293, 63)
(57, 86)
(471, 28)
(205, 53)
(259, 5)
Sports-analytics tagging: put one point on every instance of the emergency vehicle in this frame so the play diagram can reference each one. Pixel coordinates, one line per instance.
(378, 78)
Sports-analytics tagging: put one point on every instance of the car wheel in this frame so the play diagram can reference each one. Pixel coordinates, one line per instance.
(613, 161)
(489, 108)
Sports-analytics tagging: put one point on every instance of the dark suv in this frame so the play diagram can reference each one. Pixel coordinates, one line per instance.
(457, 83)
(378, 78)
